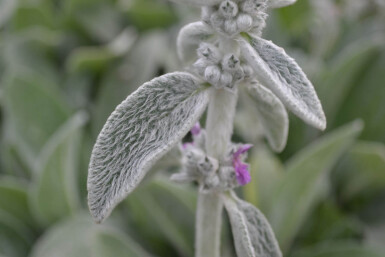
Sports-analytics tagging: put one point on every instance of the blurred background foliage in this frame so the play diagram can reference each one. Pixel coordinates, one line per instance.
(66, 64)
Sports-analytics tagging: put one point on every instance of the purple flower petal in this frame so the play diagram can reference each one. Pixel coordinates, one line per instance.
(196, 130)
(241, 150)
(242, 173)
(187, 145)
(241, 169)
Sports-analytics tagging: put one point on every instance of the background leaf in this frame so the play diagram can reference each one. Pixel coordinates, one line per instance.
(14, 200)
(305, 182)
(42, 112)
(340, 250)
(80, 237)
(54, 194)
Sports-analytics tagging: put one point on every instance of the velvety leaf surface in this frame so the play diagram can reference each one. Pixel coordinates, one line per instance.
(140, 66)
(282, 75)
(272, 114)
(252, 233)
(141, 130)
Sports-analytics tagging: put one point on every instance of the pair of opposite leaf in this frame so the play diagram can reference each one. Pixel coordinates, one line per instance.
(160, 113)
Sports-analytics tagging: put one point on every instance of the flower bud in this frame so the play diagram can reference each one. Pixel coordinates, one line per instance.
(238, 75)
(230, 26)
(192, 156)
(259, 23)
(253, 6)
(209, 52)
(227, 176)
(230, 62)
(228, 9)
(213, 74)
(216, 20)
(200, 66)
(244, 22)
(208, 165)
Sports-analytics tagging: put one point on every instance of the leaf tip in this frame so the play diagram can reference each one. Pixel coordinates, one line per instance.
(322, 122)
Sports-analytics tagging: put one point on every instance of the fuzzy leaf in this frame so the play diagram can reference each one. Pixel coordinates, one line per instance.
(140, 131)
(189, 39)
(252, 233)
(281, 3)
(198, 2)
(280, 73)
(272, 114)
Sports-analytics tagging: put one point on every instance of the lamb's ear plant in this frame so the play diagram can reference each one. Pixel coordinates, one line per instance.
(224, 53)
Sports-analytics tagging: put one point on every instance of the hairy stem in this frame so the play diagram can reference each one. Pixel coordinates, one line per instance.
(219, 128)
(208, 225)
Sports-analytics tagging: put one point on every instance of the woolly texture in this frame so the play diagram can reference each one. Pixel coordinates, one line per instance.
(219, 123)
(280, 73)
(253, 236)
(272, 115)
(189, 38)
(141, 130)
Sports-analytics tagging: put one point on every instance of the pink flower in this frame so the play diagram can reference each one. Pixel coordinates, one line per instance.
(241, 168)
(187, 145)
(196, 130)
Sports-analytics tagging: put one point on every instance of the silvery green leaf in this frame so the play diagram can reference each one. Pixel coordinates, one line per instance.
(189, 39)
(198, 2)
(282, 75)
(272, 115)
(253, 236)
(280, 3)
(140, 131)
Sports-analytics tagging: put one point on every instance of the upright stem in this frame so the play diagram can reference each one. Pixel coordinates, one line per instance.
(219, 128)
